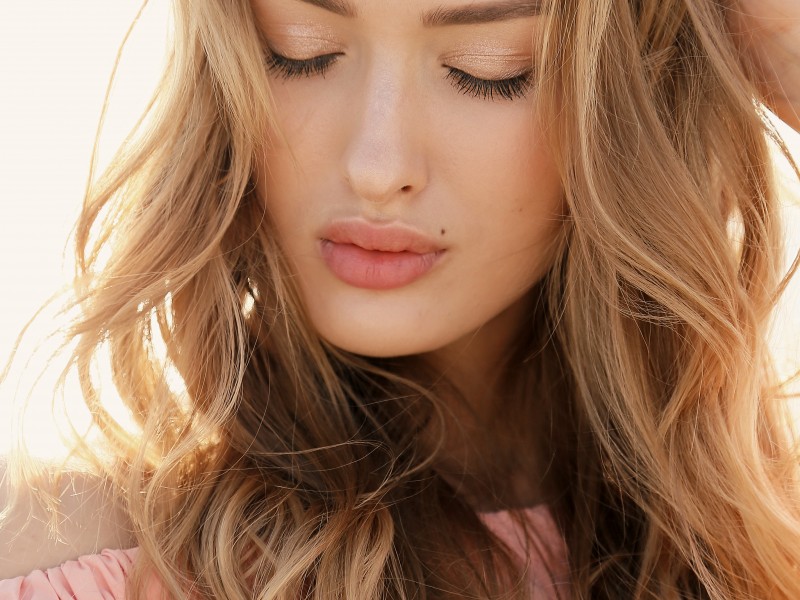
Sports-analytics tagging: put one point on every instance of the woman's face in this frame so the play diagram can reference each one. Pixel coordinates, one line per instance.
(408, 180)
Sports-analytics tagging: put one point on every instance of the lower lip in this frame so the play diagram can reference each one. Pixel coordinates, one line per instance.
(373, 269)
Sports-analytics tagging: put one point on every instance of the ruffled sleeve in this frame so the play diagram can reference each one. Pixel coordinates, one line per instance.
(92, 577)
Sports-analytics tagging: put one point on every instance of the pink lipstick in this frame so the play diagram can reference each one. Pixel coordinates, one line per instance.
(377, 257)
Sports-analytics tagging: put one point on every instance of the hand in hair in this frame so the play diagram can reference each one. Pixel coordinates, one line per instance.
(768, 34)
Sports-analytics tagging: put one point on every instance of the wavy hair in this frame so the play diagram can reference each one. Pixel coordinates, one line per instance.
(284, 468)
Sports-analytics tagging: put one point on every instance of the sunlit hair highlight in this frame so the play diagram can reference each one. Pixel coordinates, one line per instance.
(281, 467)
(666, 290)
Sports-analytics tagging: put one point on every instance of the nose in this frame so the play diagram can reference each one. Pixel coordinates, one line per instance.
(384, 157)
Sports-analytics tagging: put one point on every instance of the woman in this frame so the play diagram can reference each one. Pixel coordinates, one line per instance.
(447, 309)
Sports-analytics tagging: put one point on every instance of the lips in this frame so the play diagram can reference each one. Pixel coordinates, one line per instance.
(377, 257)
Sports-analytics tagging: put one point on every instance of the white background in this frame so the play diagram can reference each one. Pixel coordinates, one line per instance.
(56, 58)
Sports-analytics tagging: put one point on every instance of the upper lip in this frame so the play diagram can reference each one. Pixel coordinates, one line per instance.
(389, 237)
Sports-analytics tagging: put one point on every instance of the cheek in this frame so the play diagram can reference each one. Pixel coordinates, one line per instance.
(497, 147)
(508, 177)
(307, 130)
(284, 172)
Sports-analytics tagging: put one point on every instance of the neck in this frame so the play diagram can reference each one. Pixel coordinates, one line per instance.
(487, 457)
(476, 364)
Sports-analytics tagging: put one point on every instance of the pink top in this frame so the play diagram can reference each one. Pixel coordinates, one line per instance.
(102, 576)
(94, 577)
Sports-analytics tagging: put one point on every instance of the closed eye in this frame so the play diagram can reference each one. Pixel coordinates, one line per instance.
(487, 89)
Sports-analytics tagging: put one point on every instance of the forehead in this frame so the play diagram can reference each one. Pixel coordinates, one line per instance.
(438, 13)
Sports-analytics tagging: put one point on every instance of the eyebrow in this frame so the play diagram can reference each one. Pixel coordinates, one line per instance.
(469, 14)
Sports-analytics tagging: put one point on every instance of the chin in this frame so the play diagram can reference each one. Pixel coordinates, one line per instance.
(379, 342)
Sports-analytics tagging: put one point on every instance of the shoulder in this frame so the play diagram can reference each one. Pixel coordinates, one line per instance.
(87, 519)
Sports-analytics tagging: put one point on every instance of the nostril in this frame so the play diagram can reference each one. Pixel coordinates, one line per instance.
(405, 188)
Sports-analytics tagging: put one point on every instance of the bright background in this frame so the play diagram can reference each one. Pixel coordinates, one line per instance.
(56, 58)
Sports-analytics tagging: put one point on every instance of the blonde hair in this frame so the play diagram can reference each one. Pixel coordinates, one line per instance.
(288, 468)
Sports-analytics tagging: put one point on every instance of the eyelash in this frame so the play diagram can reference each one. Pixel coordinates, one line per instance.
(486, 89)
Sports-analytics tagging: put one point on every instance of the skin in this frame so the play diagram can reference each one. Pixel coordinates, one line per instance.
(385, 136)
(768, 33)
